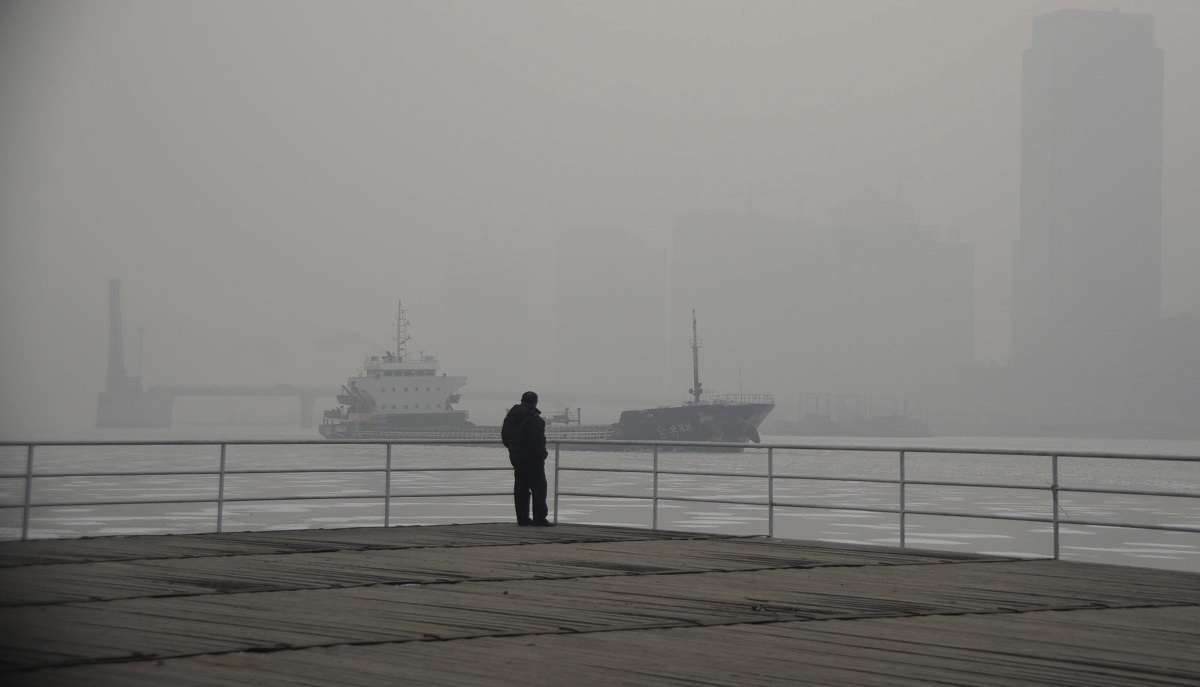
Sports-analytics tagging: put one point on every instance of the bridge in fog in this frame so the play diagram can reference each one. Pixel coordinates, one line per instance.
(306, 394)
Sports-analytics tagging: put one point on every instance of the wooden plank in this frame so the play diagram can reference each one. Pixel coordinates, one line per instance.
(355, 565)
(900, 652)
(398, 613)
(453, 606)
(124, 548)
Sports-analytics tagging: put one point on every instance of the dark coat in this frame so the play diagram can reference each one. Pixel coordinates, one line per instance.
(524, 433)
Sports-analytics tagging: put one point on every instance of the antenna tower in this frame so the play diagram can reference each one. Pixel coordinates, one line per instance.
(401, 333)
(697, 388)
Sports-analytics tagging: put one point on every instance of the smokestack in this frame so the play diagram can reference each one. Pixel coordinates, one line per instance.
(116, 352)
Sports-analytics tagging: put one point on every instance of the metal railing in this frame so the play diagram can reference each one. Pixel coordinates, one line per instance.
(902, 511)
(581, 450)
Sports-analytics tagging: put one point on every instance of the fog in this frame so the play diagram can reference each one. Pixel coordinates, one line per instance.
(267, 179)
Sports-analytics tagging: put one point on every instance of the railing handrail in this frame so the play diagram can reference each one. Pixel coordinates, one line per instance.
(876, 448)
(771, 474)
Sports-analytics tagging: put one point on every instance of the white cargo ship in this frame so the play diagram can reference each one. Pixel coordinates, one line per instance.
(394, 393)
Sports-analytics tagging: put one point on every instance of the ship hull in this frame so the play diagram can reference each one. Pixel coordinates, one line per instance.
(726, 423)
(730, 423)
(382, 426)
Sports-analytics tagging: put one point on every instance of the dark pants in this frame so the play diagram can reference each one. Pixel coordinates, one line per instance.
(529, 481)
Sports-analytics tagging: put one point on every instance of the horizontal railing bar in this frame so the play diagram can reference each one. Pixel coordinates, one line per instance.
(211, 473)
(487, 468)
(300, 471)
(970, 452)
(594, 495)
(249, 499)
(452, 494)
(729, 502)
(732, 502)
(984, 516)
(910, 511)
(1132, 526)
(571, 468)
(979, 485)
(1061, 521)
(257, 471)
(864, 509)
(1129, 492)
(156, 473)
(76, 504)
(755, 475)
(824, 478)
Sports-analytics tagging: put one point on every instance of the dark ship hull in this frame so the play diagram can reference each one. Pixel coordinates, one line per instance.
(733, 420)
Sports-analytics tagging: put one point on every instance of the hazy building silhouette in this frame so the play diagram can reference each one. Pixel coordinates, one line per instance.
(870, 303)
(1087, 268)
(1091, 352)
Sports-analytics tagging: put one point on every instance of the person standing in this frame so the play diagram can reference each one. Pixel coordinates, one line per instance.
(524, 435)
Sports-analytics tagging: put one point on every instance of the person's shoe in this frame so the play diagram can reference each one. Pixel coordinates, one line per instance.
(541, 523)
(525, 523)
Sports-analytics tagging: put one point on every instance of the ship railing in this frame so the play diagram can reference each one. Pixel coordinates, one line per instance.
(33, 498)
(739, 399)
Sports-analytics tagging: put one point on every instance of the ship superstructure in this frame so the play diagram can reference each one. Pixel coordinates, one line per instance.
(394, 392)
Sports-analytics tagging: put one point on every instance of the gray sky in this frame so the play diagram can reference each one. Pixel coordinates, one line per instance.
(267, 178)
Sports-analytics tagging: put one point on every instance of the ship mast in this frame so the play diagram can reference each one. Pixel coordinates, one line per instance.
(401, 333)
(697, 388)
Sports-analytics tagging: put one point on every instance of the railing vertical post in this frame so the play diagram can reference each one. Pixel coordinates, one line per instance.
(557, 457)
(28, 493)
(221, 491)
(387, 488)
(1054, 499)
(903, 504)
(654, 518)
(771, 491)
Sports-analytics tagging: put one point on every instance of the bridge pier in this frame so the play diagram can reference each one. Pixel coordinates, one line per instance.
(306, 412)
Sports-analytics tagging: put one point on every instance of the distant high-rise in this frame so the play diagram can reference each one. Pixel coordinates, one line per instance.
(1087, 267)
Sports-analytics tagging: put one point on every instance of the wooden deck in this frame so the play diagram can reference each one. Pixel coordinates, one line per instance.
(495, 604)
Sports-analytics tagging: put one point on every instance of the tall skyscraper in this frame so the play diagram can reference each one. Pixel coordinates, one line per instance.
(1087, 267)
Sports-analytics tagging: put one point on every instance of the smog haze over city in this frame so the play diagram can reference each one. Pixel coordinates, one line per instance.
(552, 187)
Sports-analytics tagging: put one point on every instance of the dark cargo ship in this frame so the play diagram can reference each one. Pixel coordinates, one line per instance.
(720, 417)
